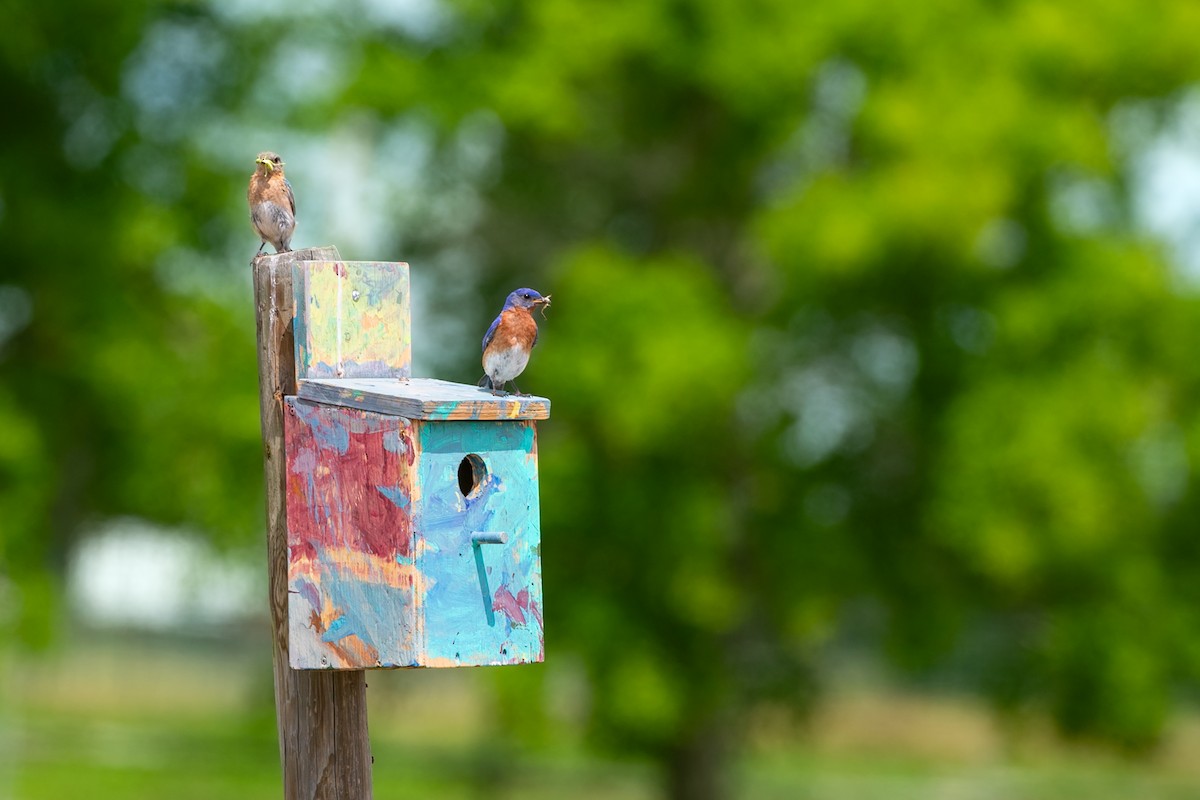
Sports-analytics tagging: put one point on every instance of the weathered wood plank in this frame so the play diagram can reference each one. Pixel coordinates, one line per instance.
(322, 716)
(423, 398)
(353, 319)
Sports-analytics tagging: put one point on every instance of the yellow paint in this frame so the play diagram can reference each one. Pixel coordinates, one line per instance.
(356, 319)
(443, 663)
(368, 568)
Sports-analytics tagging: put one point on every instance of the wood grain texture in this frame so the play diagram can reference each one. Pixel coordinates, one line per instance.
(322, 716)
(353, 319)
(384, 566)
(424, 398)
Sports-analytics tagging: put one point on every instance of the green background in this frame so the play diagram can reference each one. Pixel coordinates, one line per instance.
(871, 355)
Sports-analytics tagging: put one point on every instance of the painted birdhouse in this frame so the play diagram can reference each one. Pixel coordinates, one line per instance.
(412, 504)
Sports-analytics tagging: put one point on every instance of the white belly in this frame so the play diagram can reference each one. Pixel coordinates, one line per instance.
(505, 365)
(273, 222)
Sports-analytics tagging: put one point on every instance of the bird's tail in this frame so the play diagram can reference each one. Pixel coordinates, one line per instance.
(485, 382)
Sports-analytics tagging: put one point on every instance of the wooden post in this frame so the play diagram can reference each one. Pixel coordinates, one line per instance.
(322, 715)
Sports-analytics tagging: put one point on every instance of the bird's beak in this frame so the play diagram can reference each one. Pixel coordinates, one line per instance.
(544, 300)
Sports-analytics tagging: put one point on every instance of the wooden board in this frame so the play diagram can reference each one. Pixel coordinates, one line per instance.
(424, 398)
(480, 604)
(350, 541)
(390, 563)
(352, 319)
(324, 748)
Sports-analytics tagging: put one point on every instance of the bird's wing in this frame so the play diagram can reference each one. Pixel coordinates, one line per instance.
(287, 186)
(491, 332)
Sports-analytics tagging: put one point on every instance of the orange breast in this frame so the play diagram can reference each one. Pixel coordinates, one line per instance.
(516, 328)
(269, 188)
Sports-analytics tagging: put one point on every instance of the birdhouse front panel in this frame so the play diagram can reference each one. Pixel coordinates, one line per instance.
(479, 551)
(412, 542)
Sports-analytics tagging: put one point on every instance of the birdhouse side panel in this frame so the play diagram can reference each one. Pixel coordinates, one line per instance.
(352, 319)
(350, 541)
(479, 591)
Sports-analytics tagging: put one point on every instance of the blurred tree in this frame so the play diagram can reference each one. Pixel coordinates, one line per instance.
(851, 304)
(118, 393)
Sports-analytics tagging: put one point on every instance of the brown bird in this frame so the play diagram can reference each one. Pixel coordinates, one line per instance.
(272, 204)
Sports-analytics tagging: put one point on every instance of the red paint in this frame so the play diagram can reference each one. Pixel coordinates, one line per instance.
(333, 500)
(513, 607)
(296, 486)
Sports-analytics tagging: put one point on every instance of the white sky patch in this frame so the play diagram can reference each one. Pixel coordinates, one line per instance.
(1165, 179)
(422, 20)
(171, 75)
(250, 11)
(828, 410)
(419, 19)
(305, 69)
(131, 573)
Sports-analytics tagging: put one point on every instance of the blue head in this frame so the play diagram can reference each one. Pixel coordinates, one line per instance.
(526, 298)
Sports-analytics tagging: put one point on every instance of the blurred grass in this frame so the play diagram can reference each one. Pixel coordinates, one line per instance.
(141, 720)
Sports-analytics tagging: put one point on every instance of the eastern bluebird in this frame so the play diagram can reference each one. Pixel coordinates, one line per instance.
(507, 343)
(272, 204)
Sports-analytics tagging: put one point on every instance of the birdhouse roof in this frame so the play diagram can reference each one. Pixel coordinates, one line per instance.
(423, 398)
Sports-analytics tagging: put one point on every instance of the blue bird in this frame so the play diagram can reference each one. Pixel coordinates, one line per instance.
(509, 340)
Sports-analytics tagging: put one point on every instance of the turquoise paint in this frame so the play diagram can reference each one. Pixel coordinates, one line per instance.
(443, 410)
(485, 589)
(467, 436)
(466, 620)
(333, 435)
(300, 331)
(363, 606)
(397, 494)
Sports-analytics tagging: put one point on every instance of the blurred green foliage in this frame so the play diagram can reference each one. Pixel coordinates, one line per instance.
(853, 310)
